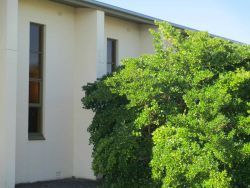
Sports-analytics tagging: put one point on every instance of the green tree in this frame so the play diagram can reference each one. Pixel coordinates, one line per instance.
(177, 118)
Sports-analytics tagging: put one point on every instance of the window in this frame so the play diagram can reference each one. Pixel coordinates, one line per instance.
(36, 55)
(111, 55)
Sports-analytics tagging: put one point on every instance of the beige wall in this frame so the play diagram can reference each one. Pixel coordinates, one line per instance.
(52, 158)
(90, 64)
(133, 39)
(127, 35)
(75, 54)
(8, 76)
(146, 44)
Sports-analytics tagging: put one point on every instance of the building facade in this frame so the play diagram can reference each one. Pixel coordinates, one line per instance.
(48, 51)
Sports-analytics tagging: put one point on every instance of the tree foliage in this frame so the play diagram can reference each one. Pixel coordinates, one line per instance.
(177, 118)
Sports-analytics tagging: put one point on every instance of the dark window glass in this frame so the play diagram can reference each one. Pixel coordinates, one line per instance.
(36, 35)
(111, 55)
(35, 78)
(35, 65)
(34, 92)
(34, 119)
(109, 48)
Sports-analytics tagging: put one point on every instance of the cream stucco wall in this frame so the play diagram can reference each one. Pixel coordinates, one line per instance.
(127, 35)
(90, 64)
(146, 44)
(133, 39)
(8, 77)
(52, 158)
(75, 54)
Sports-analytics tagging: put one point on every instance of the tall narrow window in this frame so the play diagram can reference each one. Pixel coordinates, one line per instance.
(36, 81)
(111, 55)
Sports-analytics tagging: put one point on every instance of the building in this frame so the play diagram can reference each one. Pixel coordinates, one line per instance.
(49, 49)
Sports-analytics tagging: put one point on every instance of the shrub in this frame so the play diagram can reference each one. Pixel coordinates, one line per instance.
(177, 118)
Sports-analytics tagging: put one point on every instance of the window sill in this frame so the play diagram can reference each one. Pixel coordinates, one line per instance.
(36, 137)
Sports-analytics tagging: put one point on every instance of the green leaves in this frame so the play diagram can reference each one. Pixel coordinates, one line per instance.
(178, 118)
(215, 93)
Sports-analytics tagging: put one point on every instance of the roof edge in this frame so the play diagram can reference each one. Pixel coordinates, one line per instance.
(115, 11)
(118, 12)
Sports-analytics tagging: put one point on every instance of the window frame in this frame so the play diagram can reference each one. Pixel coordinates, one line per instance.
(114, 53)
(38, 135)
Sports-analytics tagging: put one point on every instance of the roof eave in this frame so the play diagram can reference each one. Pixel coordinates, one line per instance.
(117, 12)
(124, 13)
(110, 10)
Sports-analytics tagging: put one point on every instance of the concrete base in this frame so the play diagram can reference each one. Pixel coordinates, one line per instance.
(65, 183)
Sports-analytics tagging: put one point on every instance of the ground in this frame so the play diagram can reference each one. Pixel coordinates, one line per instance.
(66, 183)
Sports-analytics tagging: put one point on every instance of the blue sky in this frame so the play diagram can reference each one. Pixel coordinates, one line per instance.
(227, 18)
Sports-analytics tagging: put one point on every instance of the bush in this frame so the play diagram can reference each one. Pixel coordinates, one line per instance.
(178, 118)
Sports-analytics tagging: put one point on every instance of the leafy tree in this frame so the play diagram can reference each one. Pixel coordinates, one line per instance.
(177, 118)
(120, 155)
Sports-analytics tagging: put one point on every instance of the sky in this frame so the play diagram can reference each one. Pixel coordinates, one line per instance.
(226, 18)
